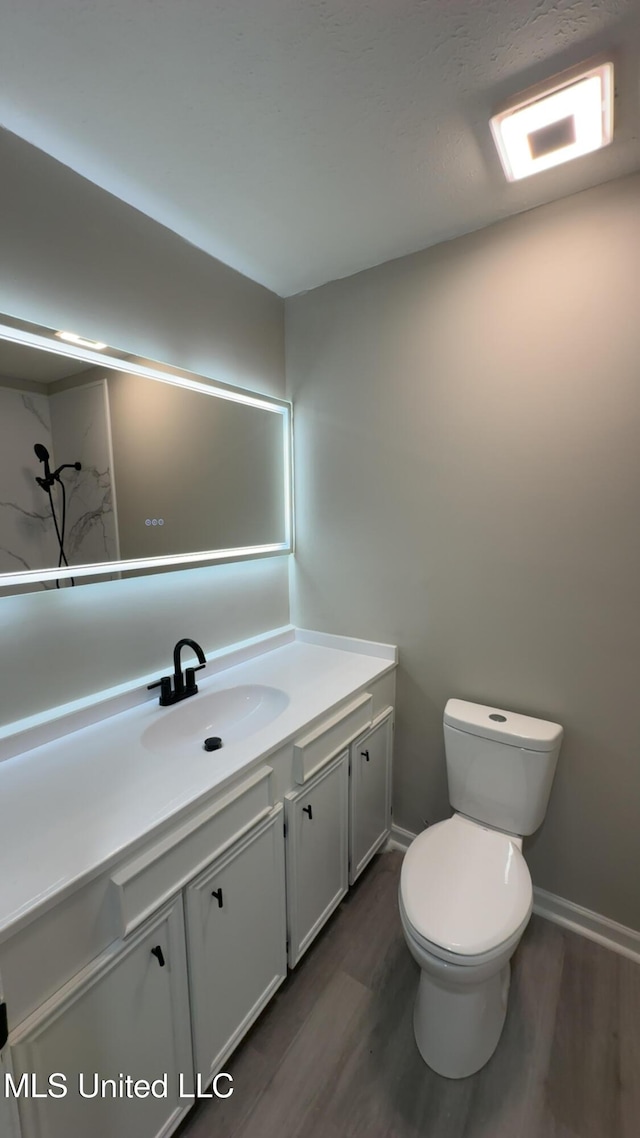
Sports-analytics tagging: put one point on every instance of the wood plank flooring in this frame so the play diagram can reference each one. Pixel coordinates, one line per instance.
(333, 1056)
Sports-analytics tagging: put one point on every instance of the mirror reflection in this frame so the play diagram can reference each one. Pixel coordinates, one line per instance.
(102, 466)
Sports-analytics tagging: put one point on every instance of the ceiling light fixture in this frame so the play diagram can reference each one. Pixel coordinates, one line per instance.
(572, 118)
(74, 338)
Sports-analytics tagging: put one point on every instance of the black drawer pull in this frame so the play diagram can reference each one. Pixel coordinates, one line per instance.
(217, 893)
(309, 811)
(159, 955)
(366, 755)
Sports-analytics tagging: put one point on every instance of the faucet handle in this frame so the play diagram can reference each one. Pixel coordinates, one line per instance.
(190, 678)
(164, 683)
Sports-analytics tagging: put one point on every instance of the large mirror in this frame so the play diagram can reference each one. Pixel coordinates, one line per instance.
(110, 464)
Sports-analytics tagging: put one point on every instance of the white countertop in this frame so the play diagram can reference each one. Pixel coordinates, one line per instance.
(72, 806)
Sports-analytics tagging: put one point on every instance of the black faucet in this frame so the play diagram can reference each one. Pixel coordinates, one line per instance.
(179, 686)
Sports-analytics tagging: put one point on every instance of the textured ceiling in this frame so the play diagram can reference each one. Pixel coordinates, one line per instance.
(302, 140)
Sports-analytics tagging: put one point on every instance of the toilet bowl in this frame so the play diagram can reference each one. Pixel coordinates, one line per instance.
(465, 893)
(465, 900)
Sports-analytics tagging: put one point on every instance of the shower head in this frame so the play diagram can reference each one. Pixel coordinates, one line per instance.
(50, 477)
(42, 454)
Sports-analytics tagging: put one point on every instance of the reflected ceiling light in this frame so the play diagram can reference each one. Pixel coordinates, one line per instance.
(571, 118)
(74, 338)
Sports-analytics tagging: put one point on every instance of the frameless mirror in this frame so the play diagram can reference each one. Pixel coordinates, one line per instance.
(111, 464)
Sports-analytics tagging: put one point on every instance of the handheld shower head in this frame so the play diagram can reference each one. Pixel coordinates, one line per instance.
(42, 454)
(46, 483)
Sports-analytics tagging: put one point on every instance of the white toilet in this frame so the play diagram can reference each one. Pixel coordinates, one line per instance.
(465, 889)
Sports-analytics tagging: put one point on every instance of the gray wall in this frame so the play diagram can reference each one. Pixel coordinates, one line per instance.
(468, 486)
(72, 256)
(231, 471)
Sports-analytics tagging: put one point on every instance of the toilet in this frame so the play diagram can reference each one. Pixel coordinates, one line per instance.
(465, 890)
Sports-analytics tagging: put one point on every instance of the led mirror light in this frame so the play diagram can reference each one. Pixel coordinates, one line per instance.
(80, 350)
(572, 119)
(74, 338)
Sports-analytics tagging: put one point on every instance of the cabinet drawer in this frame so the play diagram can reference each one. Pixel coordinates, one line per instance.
(155, 875)
(312, 751)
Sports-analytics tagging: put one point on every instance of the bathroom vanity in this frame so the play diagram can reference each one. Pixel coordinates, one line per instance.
(153, 893)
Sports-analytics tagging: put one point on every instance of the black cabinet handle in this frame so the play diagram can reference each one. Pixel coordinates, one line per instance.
(366, 755)
(159, 955)
(217, 893)
(309, 811)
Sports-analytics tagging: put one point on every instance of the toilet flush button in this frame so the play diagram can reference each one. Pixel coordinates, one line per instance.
(498, 718)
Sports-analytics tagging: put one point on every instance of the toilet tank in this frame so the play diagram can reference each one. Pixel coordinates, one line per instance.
(500, 765)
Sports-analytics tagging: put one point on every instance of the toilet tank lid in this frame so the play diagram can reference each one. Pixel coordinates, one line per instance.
(504, 726)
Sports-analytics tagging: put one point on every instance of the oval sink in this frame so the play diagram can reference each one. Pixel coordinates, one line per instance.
(233, 714)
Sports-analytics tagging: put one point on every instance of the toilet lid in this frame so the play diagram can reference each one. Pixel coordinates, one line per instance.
(464, 887)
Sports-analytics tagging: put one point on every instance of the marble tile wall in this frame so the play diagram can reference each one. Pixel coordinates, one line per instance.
(73, 426)
(27, 535)
(79, 425)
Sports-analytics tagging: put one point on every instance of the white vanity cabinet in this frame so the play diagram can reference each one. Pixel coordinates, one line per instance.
(317, 852)
(236, 935)
(145, 949)
(125, 1014)
(8, 1109)
(370, 793)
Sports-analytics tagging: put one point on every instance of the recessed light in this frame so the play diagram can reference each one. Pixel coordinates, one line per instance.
(74, 338)
(573, 118)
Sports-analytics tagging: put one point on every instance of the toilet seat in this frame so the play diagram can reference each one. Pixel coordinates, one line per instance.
(465, 890)
(505, 949)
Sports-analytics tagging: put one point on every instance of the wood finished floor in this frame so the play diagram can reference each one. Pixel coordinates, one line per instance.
(333, 1056)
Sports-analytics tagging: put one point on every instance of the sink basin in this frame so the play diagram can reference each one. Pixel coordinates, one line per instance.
(233, 714)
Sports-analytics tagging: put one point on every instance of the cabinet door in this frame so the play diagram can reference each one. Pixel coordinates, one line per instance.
(370, 794)
(124, 1015)
(8, 1107)
(317, 853)
(236, 934)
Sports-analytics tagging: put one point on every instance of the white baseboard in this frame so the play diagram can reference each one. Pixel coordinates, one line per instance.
(400, 839)
(585, 922)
